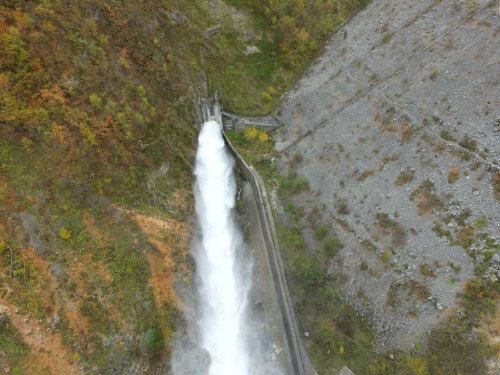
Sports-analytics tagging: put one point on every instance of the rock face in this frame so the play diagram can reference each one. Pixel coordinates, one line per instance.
(407, 172)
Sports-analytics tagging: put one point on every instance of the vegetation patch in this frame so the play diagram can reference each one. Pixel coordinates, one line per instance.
(390, 227)
(447, 136)
(428, 201)
(368, 245)
(453, 176)
(496, 186)
(321, 232)
(465, 236)
(404, 177)
(332, 246)
(365, 174)
(427, 270)
(11, 342)
(468, 143)
(342, 207)
(437, 228)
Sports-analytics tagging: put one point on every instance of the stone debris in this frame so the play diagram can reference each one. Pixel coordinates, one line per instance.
(371, 108)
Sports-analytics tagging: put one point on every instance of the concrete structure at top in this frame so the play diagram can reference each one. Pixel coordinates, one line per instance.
(211, 110)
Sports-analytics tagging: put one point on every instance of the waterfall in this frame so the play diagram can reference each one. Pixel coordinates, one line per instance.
(224, 282)
(223, 335)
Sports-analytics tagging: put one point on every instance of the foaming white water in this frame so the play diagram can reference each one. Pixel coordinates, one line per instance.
(224, 283)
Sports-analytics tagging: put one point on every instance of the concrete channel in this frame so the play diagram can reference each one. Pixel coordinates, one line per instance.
(270, 281)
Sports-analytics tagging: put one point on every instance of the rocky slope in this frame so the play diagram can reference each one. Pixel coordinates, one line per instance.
(399, 134)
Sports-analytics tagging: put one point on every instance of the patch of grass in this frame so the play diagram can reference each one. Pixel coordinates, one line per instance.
(462, 154)
(416, 289)
(393, 299)
(390, 227)
(449, 358)
(11, 341)
(153, 338)
(321, 232)
(481, 222)
(297, 159)
(427, 270)
(332, 246)
(368, 245)
(367, 173)
(405, 177)
(446, 135)
(299, 185)
(496, 186)
(342, 207)
(465, 236)
(344, 225)
(433, 74)
(428, 200)
(388, 253)
(441, 232)
(456, 268)
(407, 132)
(468, 143)
(453, 176)
(386, 160)
(386, 39)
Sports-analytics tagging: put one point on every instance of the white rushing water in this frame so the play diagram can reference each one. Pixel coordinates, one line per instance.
(224, 282)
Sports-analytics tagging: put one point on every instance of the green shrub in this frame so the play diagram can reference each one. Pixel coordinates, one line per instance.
(434, 73)
(297, 158)
(299, 185)
(307, 272)
(453, 176)
(456, 350)
(11, 340)
(481, 222)
(332, 246)
(342, 207)
(446, 135)
(468, 143)
(366, 174)
(320, 233)
(405, 177)
(153, 338)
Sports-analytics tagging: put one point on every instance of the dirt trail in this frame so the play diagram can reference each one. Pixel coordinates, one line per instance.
(47, 354)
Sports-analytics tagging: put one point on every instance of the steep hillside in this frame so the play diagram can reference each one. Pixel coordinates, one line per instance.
(391, 148)
(98, 122)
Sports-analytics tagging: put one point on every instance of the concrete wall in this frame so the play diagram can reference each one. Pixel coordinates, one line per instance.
(297, 357)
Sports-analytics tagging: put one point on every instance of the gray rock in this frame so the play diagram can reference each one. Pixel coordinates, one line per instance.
(251, 50)
(31, 226)
(213, 30)
(56, 269)
(56, 319)
(3, 320)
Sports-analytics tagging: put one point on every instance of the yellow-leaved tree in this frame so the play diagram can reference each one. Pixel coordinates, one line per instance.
(251, 133)
(263, 136)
